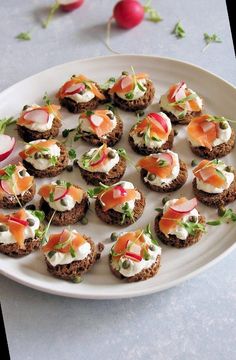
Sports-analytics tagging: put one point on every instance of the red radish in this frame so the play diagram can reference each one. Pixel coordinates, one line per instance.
(160, 120)
(39, 116)
(134, 248)
(133, 256)
(207, 125)
(74, 89)
(96, 120)
(6, 186)
(70, 5)
(7, 144)
(166, 157)
(19, 221)
(102, 158)
(180, 85)
(125, 82)
(65, 235)
(186, 207)
(60, 192)
(119, 191)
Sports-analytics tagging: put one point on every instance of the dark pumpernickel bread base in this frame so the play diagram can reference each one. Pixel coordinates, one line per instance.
(110, 178)
(142, 275)
(52, 170)
(217, 151)
(76, 108)
(172, 240)
(10, 201)
(111, 138)
(79, 267)
(144, 150)
(115, 218)
(139, 104)
(216, 200)
(30, 135)
(69, 217)
(186, 120)
(174, 185)
(13, 250)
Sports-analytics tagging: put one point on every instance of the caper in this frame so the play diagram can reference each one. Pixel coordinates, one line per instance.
(229, 169)
(111, 116)
(82, 92)
(69, 168)
(64, 202)
(3, 228)
(175, 132)
(30, 207)
(73, 75)
(84, 221)
(140, 134)
(146, 257)
(221, 210)
(22, 173)
(151, 247)
(111, 154)
(25, 107)
(125, 73)
(75, 162)
(31, 222)
(76, 279)
(58, 182)
(223, 125)
(194, 162)
(140, 113)
(126, 264)
(192, 219)
(151, 177)
(37, 155)
(165, 199)
(114, 236)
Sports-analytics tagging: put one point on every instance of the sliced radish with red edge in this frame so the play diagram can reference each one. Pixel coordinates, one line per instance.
(7, 144)
(186, 207)
(70, 5)
(75, 88)
(161, 120)
(166, 157)
(96, 120)
(133, 256)
(102, 158)
(7, 187)
(119, 191)
(39, 116)
(19, 221)
(60, 192)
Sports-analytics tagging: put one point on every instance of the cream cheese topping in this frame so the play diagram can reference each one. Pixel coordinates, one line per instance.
(131, 203)
(136, 267)
(85, 125)
(60, 258)
(6, 237)
(43, 163)
(179, 231)
(34, 126)
(208, 188)
(104, 166)
(82, 98)
(137, 92)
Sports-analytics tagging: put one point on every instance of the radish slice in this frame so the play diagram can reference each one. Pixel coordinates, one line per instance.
(19, 221)
(207, 125)
(125, 82)
(70, 5)
(102, 158)
(119, 191)
(64, 235)
(39, 116)
(166, 157)
(96, 120)
(133, 256)
(160, 120)
(7, 144)
(7, 187)
(186, 207)
(134, 248)
(60, 192)
(75, 88)
(180, 94)
(181, 84)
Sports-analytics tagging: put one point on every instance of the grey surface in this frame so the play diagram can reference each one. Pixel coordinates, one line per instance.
(193, 321)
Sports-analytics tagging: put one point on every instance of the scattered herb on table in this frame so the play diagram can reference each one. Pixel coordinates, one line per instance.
(225, 216)
(178, 30)
(72, 154)
(24, 36)
(210, 39)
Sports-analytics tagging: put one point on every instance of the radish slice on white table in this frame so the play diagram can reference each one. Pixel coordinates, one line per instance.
(160, 120)
(59, 193)
(70, 5)
(75, 88)
(38, 116)
(7, 144)
(186, 207)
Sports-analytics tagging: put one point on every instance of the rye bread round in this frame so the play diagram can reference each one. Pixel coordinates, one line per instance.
(107, 178)
(111, 138)
(216, 200)
(185, 120)
(138, 104)
(76, 108)
(174, 185)
(145, 150)
(142, 275)
(115, 218)
(13, 250)
(11, 202)
(78, 267)
(52, 170)
(172, 240)
(217, 151)
(30, 135)
(68, 217)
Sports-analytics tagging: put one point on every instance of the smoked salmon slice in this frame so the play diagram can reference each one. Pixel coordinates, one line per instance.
(36, 147)
(116, 196)
(17, 229)
(174, 89)
(16, 184)
(152, 164)
(66, 238)
(155, 128)
(207, 172)
(170, 218)
(104, 123)
(120, 247)
(202, 130)
(74, 192)
(126, 84)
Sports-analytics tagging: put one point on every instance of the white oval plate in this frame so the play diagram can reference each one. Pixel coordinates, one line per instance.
(177, 265)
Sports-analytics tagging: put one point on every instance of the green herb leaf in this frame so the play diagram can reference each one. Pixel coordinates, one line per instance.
(122, 152)
(192, 227)
(46, 99)
(51, 253)
(51, 196)
(6, 122)
(129, 96)
(52, 11)
(24, 36)
(185, 99)
(8, 172)
(148, 232)
(108, 84)
(140, 87)
(227, 216)
(211, 38)
(72, 252)
(39, 214)
(97, 190)
(179, 30)
(89, 112)
(72, 154)
(153, 14)
(53, 160)
(127, 212)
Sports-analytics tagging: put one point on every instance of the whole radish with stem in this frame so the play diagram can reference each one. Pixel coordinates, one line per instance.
(7, 142)
(130, 13)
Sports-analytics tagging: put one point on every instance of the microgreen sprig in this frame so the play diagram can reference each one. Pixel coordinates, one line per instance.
(6, 122)
(210, 39)
(127, 213)
(154, 16)
(25, 35)
(51, 13)
(178, 30)
(97, 190)
(227, 216)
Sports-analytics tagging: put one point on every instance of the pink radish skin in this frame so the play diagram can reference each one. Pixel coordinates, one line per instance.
(166, 157)
(100, 160)
(70, 5)
(39, 116)
(133, 256)
(60, 192)
(7, 144)
(119, 191)
(160, 120)
(181, 85)
(6, 188)
(64, 235)
(186, 207)
(19, 221)
(74, 89)
(128, 13)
